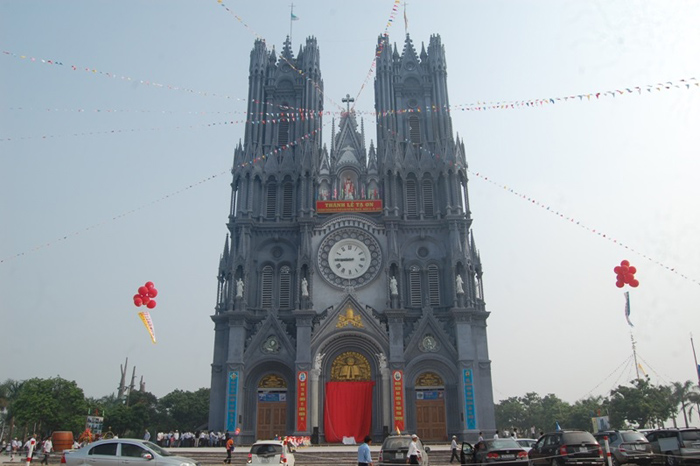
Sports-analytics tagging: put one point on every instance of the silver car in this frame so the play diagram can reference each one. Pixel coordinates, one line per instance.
(123, 452)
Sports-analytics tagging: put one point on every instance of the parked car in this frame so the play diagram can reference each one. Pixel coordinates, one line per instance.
(566, 447)
(526, 443)
(395, 447)
(626, 446)
(123, 452)
(505, 451)
(271, 452)
(675, 446)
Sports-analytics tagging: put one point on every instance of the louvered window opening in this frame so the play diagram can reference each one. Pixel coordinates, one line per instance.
(414, 129)
(411, 199)
(428, 204)
(271, 200)
(285, 289)
(287, 192)
(414, 287)
(283, 136)
(266, 288)
(434, 285)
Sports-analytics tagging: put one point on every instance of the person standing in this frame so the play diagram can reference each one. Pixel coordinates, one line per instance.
(46, 447)
(495, 436)
(454, 449)
(147, 436)
(413, 455)
(364, 457)
(481, 436)
(229, 448)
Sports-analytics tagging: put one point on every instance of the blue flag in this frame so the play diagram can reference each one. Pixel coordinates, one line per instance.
(558, 426)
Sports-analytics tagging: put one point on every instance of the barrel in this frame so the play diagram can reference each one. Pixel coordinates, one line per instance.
(62, 440)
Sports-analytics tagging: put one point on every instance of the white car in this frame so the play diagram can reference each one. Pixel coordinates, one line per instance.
(526, 443)
(271, 452)
(123, 452)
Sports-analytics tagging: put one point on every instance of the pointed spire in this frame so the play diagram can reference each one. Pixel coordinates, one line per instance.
(223, 262)
(423, 55)
(362, 132)
(372, 166)
(287, 50)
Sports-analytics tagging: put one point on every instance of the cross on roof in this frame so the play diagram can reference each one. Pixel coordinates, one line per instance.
(348, 99)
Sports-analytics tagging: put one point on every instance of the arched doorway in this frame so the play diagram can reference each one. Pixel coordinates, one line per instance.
(272, 407)
(348, 398)
(430, 407)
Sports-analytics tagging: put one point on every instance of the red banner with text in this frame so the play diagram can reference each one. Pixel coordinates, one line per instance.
(397, 380)
(302, 398)
(366, 205)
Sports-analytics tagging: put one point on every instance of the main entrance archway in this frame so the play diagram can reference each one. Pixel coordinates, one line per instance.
(272, 407)
(430, 407)
(348, 400)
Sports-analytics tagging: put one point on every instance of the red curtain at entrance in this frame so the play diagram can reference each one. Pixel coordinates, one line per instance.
(348, 410)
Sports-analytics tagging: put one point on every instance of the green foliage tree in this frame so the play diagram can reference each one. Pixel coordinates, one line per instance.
(50, 404)
(683, 394)
(9, 390)
(185, 410)
(130, 417)
(641, 405)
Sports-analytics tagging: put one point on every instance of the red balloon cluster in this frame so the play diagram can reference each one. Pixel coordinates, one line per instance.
(625, 275)
(145, 296)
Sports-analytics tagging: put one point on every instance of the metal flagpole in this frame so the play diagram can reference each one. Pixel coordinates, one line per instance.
(291, 20)
(697, 368)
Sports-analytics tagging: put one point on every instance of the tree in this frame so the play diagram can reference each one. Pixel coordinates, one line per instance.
(683, 395)
(50, 404)
(186, 410)
(642, 404)
(130, 418)
(9, 390)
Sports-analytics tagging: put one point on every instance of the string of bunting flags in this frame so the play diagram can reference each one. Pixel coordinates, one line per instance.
(136, 130)
(161, 199)
(478, 106)
(382, 44)
(281, 56)
(562, 215)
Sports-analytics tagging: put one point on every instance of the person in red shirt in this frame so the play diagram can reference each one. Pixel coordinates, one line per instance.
(229, 448)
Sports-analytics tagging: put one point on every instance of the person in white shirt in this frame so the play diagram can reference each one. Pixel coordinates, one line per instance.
(413, 454)
(454, 449)
(495, 436)
(46, 447)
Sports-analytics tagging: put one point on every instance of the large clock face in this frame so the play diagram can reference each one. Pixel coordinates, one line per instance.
(349, 257)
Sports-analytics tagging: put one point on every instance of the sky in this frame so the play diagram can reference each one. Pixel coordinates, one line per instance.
(117, 172)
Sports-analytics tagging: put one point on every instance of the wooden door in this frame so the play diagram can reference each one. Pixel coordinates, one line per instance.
(272, 419)
(430, 417)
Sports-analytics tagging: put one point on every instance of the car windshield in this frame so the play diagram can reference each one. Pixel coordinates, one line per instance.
(525, 442)
(633, 437)
(266, 449)
(396, 443)
(578, 437)
(501, 443)
(691, 435)
(157, 449)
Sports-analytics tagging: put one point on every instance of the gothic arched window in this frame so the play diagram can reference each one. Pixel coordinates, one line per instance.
(266, 287)
(283, 133)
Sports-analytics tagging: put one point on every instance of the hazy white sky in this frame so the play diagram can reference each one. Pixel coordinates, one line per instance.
(100, 176)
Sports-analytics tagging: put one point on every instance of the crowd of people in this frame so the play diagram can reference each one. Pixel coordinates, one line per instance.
(16, 449)
(175, 439)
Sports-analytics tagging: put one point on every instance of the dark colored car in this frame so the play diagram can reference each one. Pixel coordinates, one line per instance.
(395, 448)
(566, 448)
(675, 446)
(505, 451)
(626, 446)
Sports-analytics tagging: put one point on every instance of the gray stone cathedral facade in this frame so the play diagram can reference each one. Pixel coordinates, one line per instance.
(350, 299)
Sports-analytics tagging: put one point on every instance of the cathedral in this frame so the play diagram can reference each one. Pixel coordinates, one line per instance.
(350, 298)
